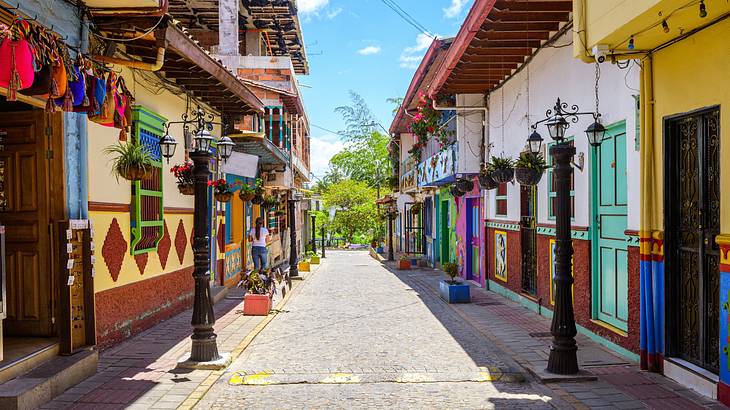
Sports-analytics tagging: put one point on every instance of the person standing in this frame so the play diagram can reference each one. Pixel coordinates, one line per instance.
(258, 237)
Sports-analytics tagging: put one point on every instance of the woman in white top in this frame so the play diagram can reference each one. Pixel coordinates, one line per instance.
(258, 237)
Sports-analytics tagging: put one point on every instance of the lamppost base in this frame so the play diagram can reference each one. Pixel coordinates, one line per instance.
(563, 357)
(224, 359)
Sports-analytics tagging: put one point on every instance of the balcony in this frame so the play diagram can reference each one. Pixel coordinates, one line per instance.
(437, 170)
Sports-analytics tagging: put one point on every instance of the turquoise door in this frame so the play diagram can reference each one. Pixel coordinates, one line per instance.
(610, 256)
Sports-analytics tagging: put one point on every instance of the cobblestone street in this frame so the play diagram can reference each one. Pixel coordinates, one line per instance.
(357, 336)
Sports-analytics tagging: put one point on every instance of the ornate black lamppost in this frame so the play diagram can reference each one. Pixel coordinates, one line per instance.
(391, 216)
(204, 347)
(293, 257)
(563, 351)
(324, 244)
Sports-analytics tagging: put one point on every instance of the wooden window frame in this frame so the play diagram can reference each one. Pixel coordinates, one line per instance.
(498, 198)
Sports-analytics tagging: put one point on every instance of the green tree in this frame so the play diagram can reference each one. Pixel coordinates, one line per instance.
(356, 214)
(358, 118)
(366, 160)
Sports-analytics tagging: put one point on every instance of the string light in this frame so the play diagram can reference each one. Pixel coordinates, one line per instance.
(703, 9)
(665, 26)
(631, 43)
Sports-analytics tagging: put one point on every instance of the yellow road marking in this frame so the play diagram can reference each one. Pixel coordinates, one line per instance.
(260, 378)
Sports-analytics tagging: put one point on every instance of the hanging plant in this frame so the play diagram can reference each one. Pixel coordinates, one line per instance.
(486, 181)
(271, 201)
(258, 199)
(247, 192)
(416, 208)
(455, 191)
(132, 161)
(222, 190)
(184, 174)
(465, 184)
(529, 168)
(502, 169)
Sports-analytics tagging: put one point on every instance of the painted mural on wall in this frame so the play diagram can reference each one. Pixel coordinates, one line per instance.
(233, 264)
(439, 167)
(500, 252)
(408, 180)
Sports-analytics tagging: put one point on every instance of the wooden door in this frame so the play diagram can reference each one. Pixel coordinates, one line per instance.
(610, 254)
(693, 221)
(528, 238)
(27, 218)
(472, 242)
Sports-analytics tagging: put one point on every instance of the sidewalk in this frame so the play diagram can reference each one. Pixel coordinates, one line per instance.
(525, 336)
(140, 373)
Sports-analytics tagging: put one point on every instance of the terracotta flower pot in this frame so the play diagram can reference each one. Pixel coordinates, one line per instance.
(256, 305)
(186, 189)
(528, 176)
(404, 264)
(503, 175)
(223, 196)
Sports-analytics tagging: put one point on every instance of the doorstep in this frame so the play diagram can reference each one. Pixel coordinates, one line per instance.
(42, 384)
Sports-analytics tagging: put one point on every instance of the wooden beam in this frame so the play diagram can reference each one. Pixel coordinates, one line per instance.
(529, 16)
(492, 59)
(516, 26)
(513, 35)
(531, 5)
(505, 43)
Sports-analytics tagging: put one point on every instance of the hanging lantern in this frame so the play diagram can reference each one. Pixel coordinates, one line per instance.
(203, 139)
(167, 146)
(556, 128)
(535, 142)
(595, 133)
(225, 147)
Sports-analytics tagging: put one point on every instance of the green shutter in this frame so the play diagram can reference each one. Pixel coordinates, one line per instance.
(147, 210)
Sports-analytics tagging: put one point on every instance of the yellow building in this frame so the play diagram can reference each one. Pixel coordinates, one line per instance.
(681, 49)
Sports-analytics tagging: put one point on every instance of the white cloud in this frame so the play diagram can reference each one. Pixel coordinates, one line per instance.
(455, 8)
(334, 13)
(412, 56)
(311, 6)
(369, 50)
(323, 148)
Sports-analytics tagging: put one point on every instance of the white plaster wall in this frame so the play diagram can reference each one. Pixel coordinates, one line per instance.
(469, 131)
(555, 73)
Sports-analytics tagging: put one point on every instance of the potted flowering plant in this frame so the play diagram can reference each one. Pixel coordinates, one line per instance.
(132, 161)
(404, 263)
(452, 290)
(313, 258)
(222, 189)
(259, 289)
(247, 192)
(529, 168)
(416, 208)
(270, 202)
(184, 174)
(502, 169)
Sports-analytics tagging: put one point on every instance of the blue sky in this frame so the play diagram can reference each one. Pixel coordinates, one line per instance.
(364, 46)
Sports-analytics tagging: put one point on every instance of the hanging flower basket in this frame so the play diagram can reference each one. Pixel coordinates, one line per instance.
(186, 189)
(465, 185)
(257, 199)
(528, 176)
(503, 175)
(134, 173)
(455, 191)
(487, 182)
(416, 208)
(223, 196)
(246, 196)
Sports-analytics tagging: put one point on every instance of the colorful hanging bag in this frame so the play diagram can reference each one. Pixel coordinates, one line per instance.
(107, 110)
(17, 69)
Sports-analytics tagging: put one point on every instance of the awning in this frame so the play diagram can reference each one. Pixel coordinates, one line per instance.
(496, 39)
(270, 156)
(243, 165)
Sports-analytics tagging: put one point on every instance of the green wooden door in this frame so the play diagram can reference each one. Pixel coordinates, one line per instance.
(610, 256)
(445, 235)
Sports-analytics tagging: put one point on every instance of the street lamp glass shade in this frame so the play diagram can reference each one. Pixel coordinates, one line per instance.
(556, 127)
(203, 139)
(535, 142)
(225, 147)
(595, 133)
(167, 146)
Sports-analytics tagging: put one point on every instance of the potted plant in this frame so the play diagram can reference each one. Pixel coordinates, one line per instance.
(464, 184)
(184, 174)
(455, 191)
(502, 169)
(452, 290)
(303, 265)
(529, 168)
(280, 212)
(404, 263)
(486, 181)
(222, 189)
(247, 192)
(416, 208)
(259, 289)
(132, 160)
(270, 202)
(313, 258)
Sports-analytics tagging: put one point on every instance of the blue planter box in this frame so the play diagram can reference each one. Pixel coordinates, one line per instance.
(454, 293)
(379, 249)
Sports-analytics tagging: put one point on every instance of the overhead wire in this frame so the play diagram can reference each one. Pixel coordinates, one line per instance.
(408, 18)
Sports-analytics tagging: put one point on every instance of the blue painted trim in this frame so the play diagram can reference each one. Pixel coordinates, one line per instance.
(502, 291)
